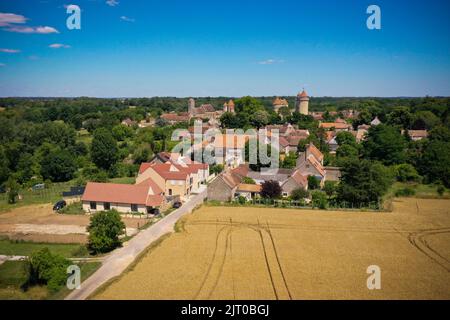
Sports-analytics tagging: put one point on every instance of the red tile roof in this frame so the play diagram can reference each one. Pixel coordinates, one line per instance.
(120, 193)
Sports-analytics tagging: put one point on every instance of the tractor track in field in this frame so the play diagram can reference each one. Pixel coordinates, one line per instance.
(278, 260)
(418, 240)
(205, 278)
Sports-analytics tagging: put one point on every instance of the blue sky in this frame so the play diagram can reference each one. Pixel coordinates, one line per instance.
(144, 48)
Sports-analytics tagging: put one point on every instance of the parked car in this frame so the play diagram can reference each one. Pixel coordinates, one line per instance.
(59, 205)
(38, 186)
(155, 212)
(177, 204)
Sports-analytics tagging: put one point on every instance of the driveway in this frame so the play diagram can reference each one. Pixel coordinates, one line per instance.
(121, 258)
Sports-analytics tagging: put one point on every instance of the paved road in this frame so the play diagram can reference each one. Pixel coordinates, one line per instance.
(121, 258)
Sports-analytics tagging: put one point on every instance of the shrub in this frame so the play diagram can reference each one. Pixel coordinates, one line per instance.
(319, 200)
(271, 190)
(43, 267)
(242, 200)
(299, 194)
(313, 183)
(440, 190)
(104, 231)
(406, 172)
(73, 208)
(248, 180)
(405, 192)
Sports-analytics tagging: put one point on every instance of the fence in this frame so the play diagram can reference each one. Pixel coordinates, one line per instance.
(299, 204)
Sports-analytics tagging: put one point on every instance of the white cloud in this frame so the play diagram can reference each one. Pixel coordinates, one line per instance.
(6, 19)
(59, 45)
(9, 50)
(25, 29)
(112, 3)
(270, 61)
(127, 19)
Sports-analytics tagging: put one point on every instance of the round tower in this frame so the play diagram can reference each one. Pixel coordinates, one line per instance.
(302, 103)
(191, 106)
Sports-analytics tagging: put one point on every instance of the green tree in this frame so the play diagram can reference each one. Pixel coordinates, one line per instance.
(13, 190)
(46, 268)
(58, 166)
(142, 154)
(216, 169)
(319, 200)
(425, 120)
(299, 194)
(405, 172)
(104, 152)
(345, 137)
(289, 161)
(363, 182)
(121, 132)
(386, 144)
(435, 162)
(4, 170)
(271, 190)
(347, 151)
(313, 183)
(104, 231)
(330, 188)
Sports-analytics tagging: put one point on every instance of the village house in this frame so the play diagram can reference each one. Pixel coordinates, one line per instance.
(174, 118)
(335, 126)
(224, 187)
(229, 149)
(416, 135)
(279, 103)
(295, 181)
(248, 191)
(178, 176)
(125, 198)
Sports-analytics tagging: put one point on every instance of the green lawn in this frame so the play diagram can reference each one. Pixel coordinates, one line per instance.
(22, 248)
(13, 275)
(422, 190)
(30, 197)
(123, 180)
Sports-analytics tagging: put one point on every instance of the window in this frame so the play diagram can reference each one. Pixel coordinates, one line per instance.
(107, 206)
(170, 192)
(285, 194)
(93, 205)
(134, 208)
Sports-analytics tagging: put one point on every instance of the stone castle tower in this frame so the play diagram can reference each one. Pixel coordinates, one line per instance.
(191, 106)
(302, 103)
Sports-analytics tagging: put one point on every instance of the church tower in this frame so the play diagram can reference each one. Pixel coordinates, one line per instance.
(302, 102)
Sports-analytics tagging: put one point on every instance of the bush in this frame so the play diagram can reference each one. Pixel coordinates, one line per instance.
(104, 231)
(440, 190)
(248, 180)
(406, 172)
(299, 194)
(271, 190)
(405, 192)
(319, 200)
(46, 268)
(313, 183)
(73, 208)
(242, 200)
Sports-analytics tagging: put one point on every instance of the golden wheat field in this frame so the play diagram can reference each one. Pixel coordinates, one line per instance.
(255, 253)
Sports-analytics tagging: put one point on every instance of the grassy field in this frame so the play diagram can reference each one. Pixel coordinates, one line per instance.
(13, 276)
(22, 248)
(257, 253)
(30, 197)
